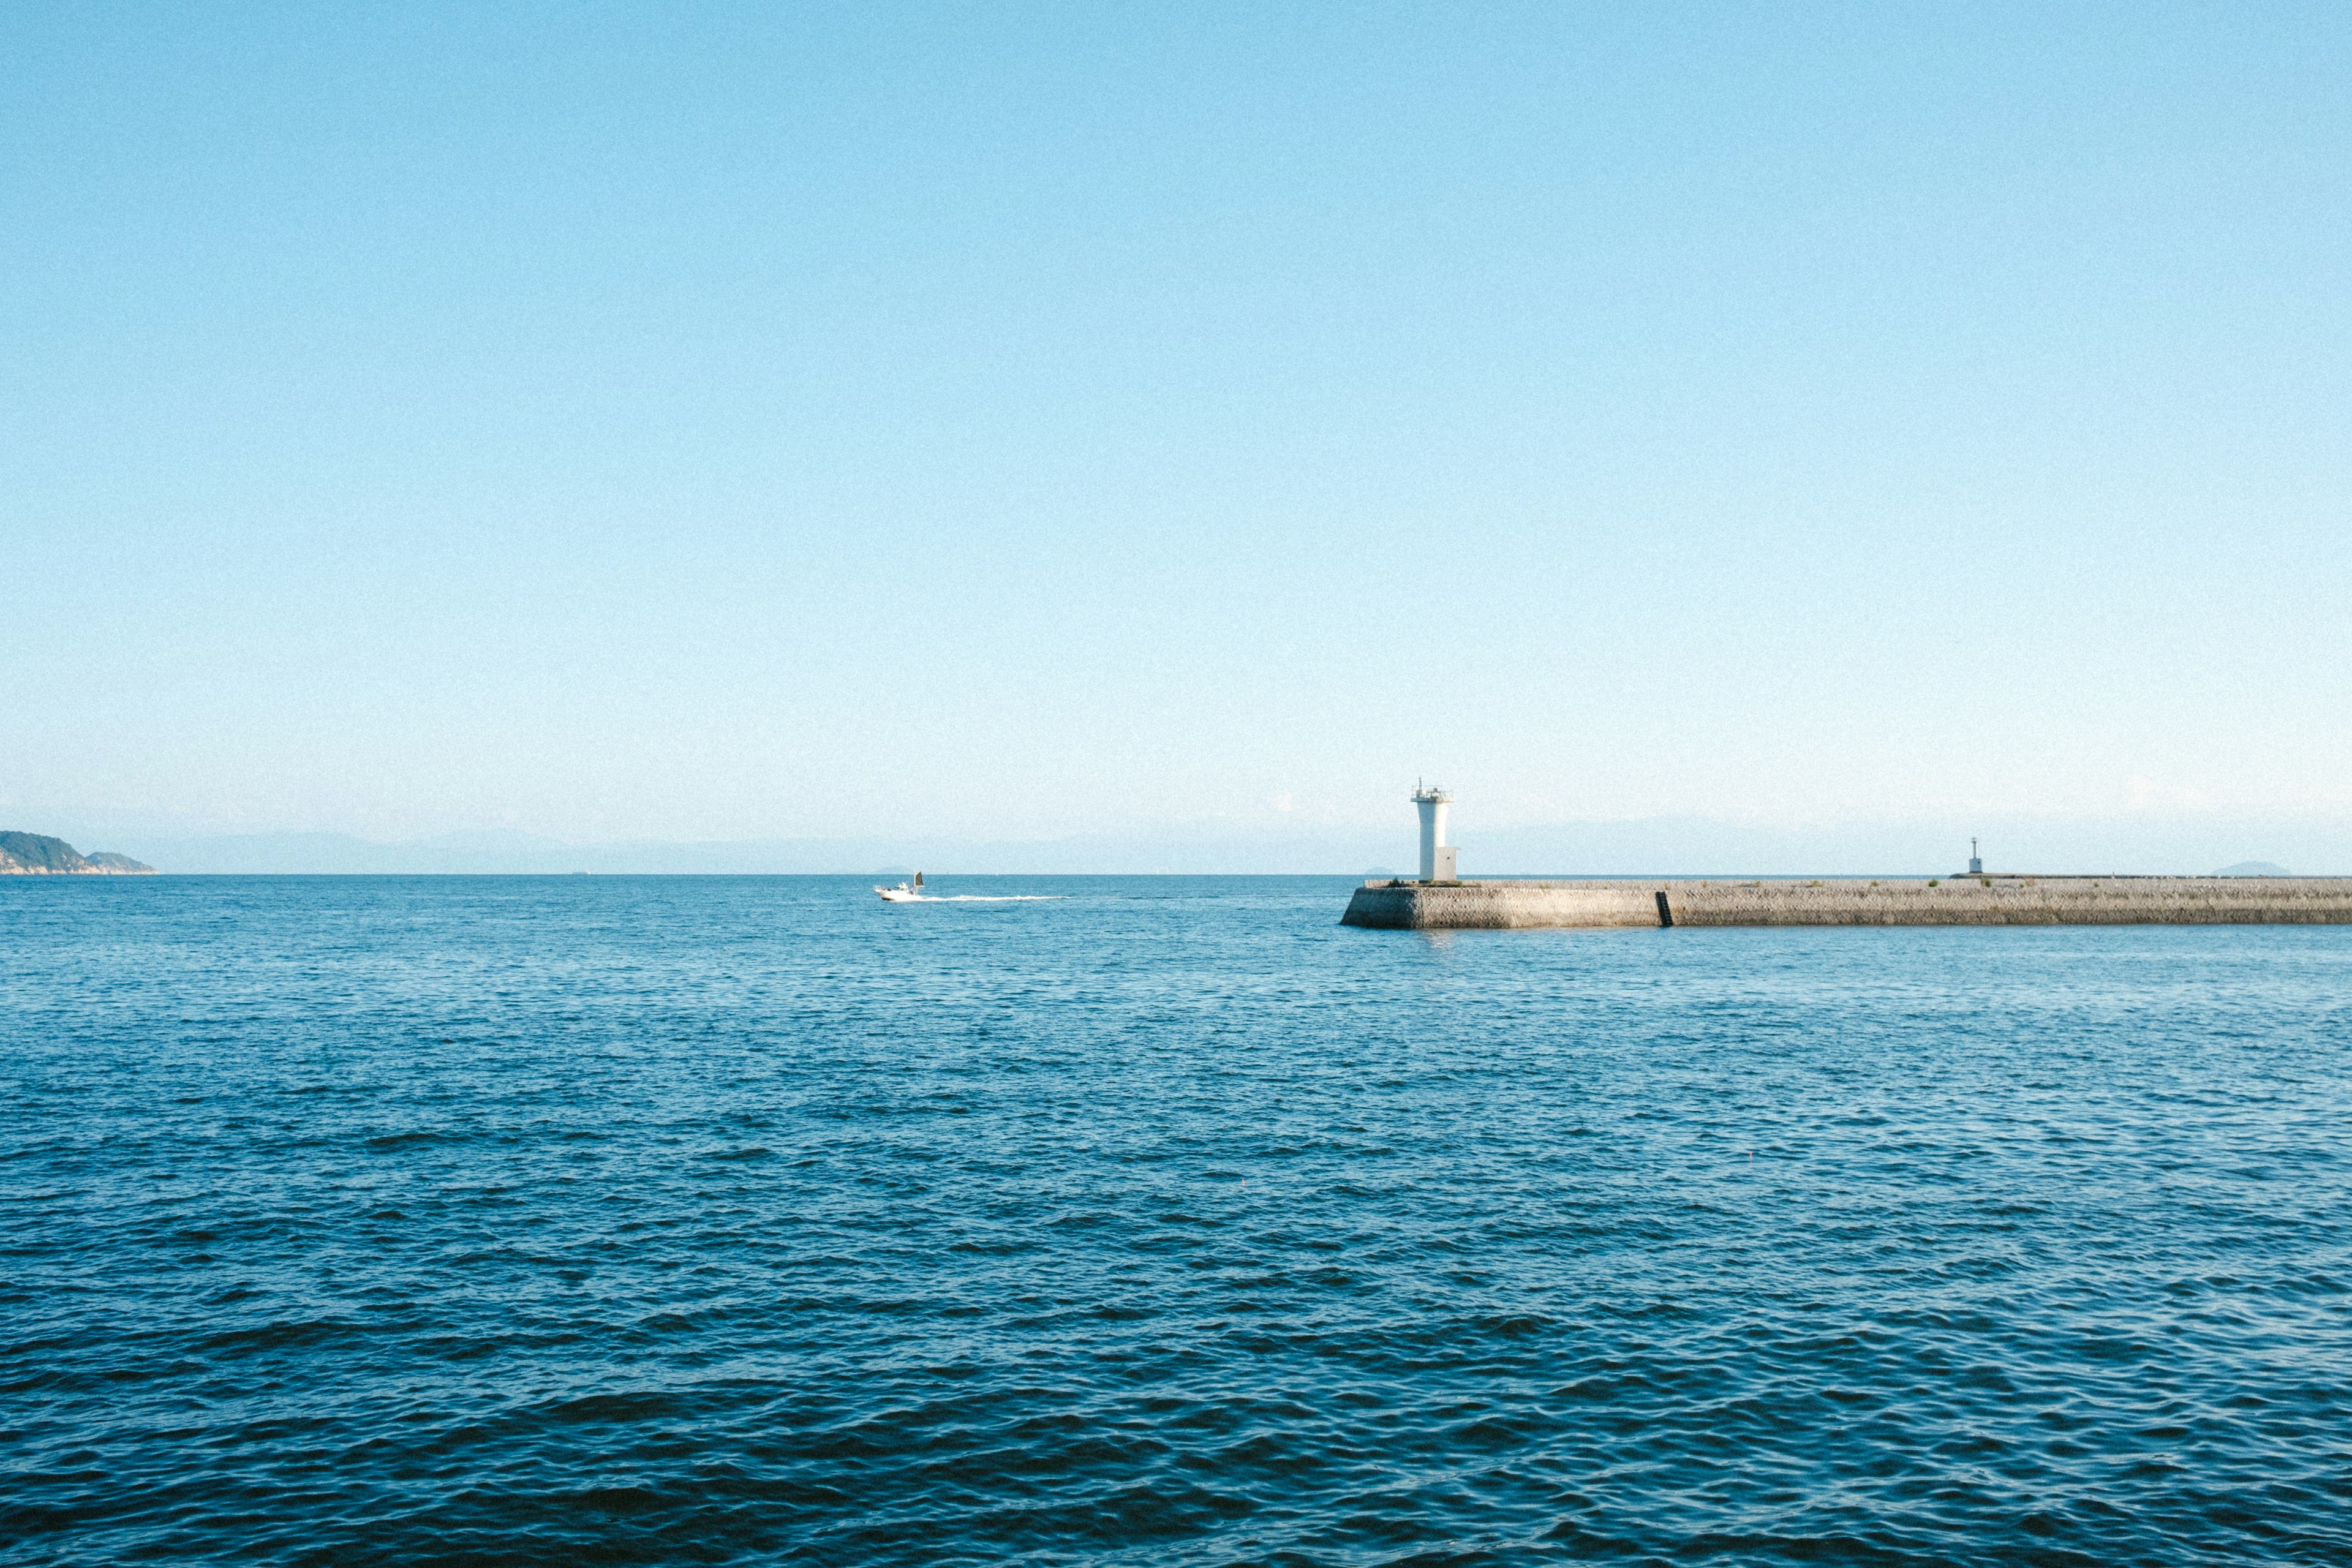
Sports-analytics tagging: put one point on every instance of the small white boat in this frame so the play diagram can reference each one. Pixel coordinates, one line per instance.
(905, 893)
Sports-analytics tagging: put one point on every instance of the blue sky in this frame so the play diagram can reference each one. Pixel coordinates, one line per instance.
(1004, 422)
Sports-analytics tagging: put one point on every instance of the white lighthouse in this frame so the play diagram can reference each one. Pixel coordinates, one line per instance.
(1437, 857)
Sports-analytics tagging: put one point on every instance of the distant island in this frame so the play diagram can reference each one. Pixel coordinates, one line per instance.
(39, 854)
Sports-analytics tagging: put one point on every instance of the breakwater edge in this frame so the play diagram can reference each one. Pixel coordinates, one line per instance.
(1974, 901)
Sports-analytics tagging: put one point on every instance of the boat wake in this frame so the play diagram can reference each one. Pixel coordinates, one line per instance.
(981, 898)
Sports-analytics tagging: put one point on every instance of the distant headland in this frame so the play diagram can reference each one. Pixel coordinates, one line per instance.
(39, 854)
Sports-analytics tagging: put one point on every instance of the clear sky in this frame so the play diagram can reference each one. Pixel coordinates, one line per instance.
(711, 422)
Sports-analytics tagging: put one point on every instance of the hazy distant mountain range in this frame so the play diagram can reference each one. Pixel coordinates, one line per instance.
(1651, 847)
(37, 855)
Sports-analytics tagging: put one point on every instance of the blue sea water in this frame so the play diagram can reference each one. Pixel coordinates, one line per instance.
(1163, 1221)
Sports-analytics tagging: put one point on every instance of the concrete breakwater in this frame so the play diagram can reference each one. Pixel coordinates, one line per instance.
(1856, 902)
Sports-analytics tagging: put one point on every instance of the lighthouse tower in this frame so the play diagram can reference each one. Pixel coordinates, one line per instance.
(1437, 857)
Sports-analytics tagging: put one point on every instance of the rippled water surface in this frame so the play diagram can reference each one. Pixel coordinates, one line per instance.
(538, 1220)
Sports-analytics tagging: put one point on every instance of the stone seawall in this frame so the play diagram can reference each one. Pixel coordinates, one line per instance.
(1856, 901)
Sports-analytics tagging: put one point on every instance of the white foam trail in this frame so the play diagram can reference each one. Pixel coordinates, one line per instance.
(983, 899)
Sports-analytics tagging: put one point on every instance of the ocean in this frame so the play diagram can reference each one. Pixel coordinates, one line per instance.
(1143, 1220)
